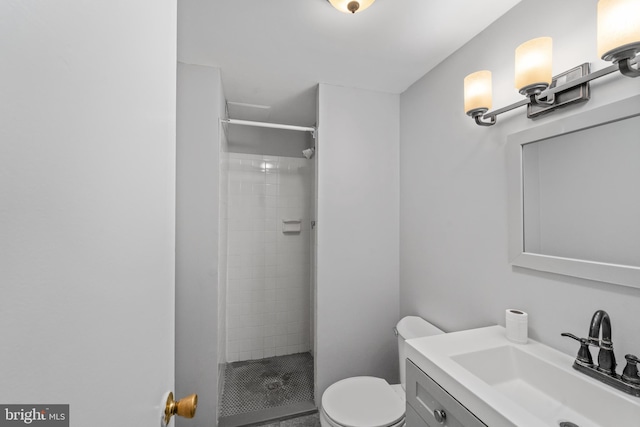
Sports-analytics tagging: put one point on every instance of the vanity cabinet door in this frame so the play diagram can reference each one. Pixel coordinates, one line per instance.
(412, 418)
(433, 404)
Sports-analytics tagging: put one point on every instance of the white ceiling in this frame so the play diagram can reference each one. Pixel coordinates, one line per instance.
(274, 52)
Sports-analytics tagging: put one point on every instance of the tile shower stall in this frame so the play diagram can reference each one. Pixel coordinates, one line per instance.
(265, 252)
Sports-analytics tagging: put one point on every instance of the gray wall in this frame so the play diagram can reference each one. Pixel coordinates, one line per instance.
(453, 202)
(199, 105)
(357, 235)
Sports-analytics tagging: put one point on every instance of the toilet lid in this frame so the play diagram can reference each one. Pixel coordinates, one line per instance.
(363, 402)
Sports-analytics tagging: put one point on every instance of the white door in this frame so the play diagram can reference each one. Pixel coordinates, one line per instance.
(87, 202)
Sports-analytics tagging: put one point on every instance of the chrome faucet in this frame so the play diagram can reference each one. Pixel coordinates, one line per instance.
(629, 381)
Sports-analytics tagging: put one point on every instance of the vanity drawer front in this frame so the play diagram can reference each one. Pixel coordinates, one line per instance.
(425, 396)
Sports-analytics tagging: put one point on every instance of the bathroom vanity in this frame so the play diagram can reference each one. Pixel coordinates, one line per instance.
(429, 405)
(479, 378)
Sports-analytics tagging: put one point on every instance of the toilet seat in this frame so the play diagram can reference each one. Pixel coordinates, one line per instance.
(363, 402)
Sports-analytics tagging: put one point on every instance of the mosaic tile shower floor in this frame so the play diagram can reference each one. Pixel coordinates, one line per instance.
(262, 389)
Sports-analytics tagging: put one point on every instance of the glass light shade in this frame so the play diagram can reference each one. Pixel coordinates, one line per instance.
(618, 29)
(343, 5)
(533, 64)
(477, 91)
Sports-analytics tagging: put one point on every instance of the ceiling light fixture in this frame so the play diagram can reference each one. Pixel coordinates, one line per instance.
(618, 42)
(351, 6)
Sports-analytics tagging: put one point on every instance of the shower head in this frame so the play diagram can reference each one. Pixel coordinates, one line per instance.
(309, 152)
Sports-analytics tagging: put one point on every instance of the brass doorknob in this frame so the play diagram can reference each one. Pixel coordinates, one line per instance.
(185, 407)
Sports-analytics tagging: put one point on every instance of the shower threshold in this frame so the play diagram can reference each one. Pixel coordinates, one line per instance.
(259, 418)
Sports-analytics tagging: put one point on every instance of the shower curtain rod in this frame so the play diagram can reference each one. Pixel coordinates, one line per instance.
(268, 125)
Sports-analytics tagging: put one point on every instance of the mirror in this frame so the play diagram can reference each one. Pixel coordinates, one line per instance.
(574, 195)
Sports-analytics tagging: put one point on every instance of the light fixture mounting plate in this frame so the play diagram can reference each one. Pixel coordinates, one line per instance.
(577, 94)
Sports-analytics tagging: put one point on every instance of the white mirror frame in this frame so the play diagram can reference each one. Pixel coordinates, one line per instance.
(604, 272)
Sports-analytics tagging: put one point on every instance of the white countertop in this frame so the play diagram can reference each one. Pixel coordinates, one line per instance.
(441, 356)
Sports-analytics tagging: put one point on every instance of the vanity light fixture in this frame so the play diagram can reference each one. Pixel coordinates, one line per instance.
(619, 33)
(533, 66)
(351, 6)
(618, 42)
(477, 96)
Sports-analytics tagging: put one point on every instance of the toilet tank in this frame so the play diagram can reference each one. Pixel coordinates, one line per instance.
(407, 328)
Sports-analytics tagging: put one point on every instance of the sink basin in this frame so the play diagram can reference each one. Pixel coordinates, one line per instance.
(508, 384)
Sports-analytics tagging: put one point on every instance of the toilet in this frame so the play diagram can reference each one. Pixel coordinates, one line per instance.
(371, 401)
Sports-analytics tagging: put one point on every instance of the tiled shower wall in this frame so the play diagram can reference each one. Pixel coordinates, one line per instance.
(268, 271)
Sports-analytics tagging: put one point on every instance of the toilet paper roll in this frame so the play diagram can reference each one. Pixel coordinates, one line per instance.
(517, 326)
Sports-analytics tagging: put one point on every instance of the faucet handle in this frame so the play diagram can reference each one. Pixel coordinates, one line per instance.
(631, 358)
(630, 373)
(584, 355)
(570, 335)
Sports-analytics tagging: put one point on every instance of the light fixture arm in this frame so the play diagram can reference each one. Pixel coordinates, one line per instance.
(479, 120)
(478, 117)
(478, 114)
(627, 69)
(493, 114)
